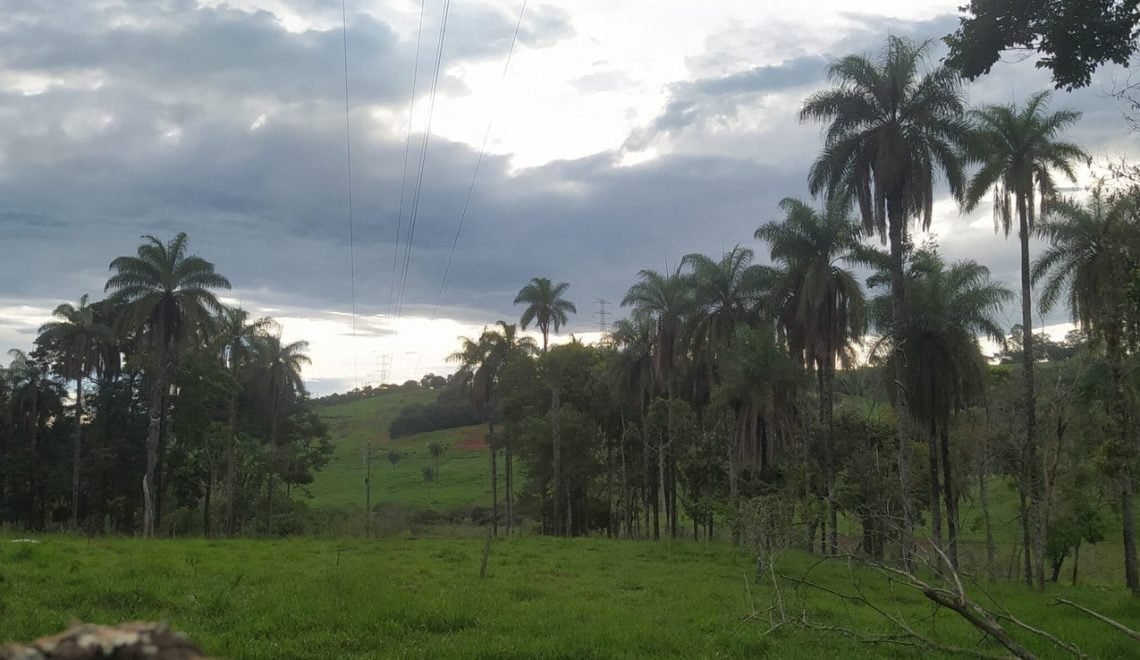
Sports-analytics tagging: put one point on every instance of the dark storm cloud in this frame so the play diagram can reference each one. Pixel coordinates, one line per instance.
(224, 51)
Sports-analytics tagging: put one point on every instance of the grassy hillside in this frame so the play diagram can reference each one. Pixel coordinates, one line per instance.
(542, 598)
(463, 469)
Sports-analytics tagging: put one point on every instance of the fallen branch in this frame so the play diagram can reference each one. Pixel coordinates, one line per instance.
(1096, 615)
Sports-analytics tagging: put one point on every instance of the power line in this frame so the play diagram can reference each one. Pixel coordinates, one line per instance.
(423, 160)
(478, 162)
(407, 152)
(348, 177)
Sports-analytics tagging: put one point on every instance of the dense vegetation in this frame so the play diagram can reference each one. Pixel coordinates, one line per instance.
(714, 403)
(183, 415)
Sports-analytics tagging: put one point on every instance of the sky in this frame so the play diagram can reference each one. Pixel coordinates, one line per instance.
(622, 136)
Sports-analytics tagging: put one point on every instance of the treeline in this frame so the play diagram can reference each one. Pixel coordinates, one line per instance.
(157, 410)
(451, 409)
(714, 403)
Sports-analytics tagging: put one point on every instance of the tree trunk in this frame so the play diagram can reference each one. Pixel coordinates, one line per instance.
(610, 487)
(662, 495)
(494, 479)
(153, 430)
(935, 504)
(1023, 505)
(206, 502)
(509, 485)
(273, 465)
(231, 469)
(1127, 512)
(984, 501)
(1033, 470)
(826, 414)
(76, 453)
(556, 441)
(1076, 560)
(951, 497)
(897, 235)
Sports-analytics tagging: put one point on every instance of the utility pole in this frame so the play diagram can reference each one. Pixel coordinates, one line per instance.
(603, 320)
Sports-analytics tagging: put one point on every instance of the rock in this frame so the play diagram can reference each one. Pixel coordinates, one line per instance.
(129, 641)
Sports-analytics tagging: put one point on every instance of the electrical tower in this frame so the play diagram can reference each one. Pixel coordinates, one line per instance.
(385, 364)
(603, 321)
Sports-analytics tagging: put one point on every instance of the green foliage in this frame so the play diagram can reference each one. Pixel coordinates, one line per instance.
(1073, 37)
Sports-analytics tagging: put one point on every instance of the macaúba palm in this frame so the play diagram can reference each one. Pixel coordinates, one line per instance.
(1018, 153)
(1090, 265)
(545, 307)
(236, 336)
(167, 294)
(949, 307)
(818, 304)
(77, 341)
(725, 293)
(278, 366)
(893, 127)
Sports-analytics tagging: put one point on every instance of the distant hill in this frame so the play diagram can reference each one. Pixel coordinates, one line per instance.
(463, 468)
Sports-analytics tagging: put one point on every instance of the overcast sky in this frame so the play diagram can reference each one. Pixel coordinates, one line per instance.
(625, 135)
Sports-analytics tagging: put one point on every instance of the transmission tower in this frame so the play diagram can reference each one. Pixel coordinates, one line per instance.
(603, 320)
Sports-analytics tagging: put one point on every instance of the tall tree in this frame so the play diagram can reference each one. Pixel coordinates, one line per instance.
(892, 129)
(1074, 37)
(238, 335)
(1093, 255)
(1017, 151)
(34, 399)
(169, 294)
(666, 300)
(823, 311)
(950, 307)
(280, 367)
(545, 307)
(77, 340)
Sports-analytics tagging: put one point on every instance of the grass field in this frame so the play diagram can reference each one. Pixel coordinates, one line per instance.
(542, 598)
(463, 470)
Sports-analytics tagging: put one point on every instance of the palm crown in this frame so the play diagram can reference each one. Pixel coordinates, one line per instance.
(891, 129)
(545, 306)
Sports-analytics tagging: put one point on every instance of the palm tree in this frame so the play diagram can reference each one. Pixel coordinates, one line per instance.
(78, 340)
(891, 130)
(665, 301)
(1091, 258)
(237, 335)
(545, 306)
(822, 310)
(948, 309)
(169, 295)
(632, 371)
(1017, 150)
(280, 370)
(725, 294)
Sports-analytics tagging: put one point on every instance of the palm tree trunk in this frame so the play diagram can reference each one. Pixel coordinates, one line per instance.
(1033, 470)
(556, 441)
(951, 497)
(645, 479)
(154, 424)
(75, 457)
(272, 465)
(896, 238)
(494, 478)
(1127, 507)
(509, 478)
(231, 469)
(935, 504)
(826, 413)
(984, 501)
(610, 487)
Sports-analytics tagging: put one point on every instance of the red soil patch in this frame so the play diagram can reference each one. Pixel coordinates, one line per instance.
(473, 440)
